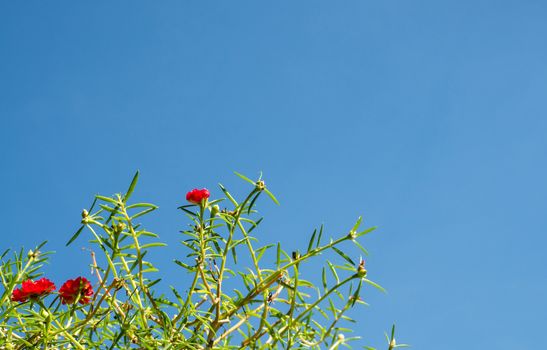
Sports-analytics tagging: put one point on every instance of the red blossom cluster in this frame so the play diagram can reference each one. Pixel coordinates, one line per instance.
(32, 290)
(197, 196)
(78, 289)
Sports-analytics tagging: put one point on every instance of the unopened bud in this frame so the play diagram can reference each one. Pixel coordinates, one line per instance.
(341, 337)
(260, 185)
(33, 254)
(215, 210)
(296, 255)
(84, 214)
(45, 314)
(361, 271)
(120, 226)
(352, 234)
(392, 344)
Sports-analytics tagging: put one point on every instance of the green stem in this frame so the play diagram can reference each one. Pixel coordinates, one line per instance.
(239, 210)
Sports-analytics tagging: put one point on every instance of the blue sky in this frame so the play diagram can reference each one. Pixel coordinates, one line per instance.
(428, 118)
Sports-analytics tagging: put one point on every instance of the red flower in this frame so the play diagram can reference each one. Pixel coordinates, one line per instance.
(78, 289)
(196, 196)
(32, 290)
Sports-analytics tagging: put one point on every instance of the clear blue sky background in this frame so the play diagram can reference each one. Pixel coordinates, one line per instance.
(429, 118)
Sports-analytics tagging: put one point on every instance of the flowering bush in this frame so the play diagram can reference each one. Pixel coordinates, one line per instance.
(268, 304)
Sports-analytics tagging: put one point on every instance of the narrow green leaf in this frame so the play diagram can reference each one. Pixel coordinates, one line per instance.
(223, 189)
(333, 308)
(142, 205)
(153, 283)
(360, 247)
(75, 235)
(368, 230)
(278, 260)
(234, 255)
(155, 244)
(255, 225)
(177, 295)
(191, 213)
(343, 255)
(324, 278)
(245, 178)
(319, 237)
(40, 245)
(311, 241)
(357, 224)
(252, 203)
(333, 270)
(375, 285)
(356, 296)
(322, 312)
(262, 250)
(131, 187)
(181, 264)
(144, 212)
(107, 199)
(270, 194)
(93, 204)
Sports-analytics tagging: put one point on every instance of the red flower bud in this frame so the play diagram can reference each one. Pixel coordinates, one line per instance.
(197, 196)
(32, 290)
(78, 289)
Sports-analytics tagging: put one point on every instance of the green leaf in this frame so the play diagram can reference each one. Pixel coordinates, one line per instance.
(333, 270)
(234, 255)
(361, 247)
(278, 260)
(368, 230)
(245, 178)
(4, 253)
(254, 225)
(270, 194)
(131, 187)
(356, 226)
(375, 285)
(153, 283)
(142, 205)
(144, 212)
(177, 295)
(155, 244)
(74, 236)
(319, 237)
(356, 294)
(343, 255)
(324, 278)
(262, 250)
(107, 199)
(189, 212)
(333, 308)
(252, 203)
(93, 204)
(311, 241)
(181, 264)
(223, 189)
(40, 245)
